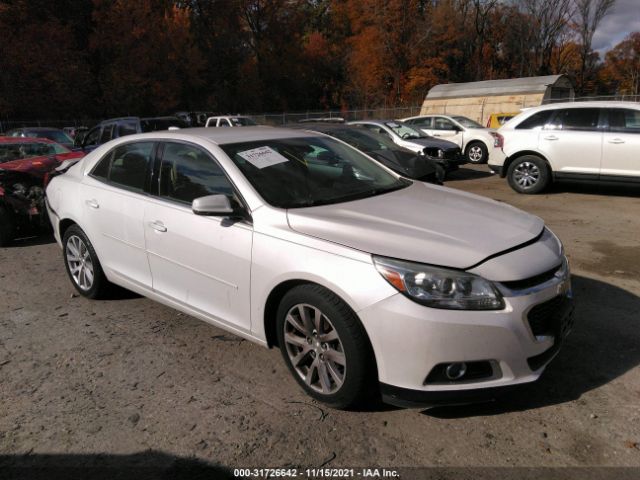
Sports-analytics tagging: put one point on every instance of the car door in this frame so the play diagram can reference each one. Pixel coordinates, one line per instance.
(114, 199)
(621, 145)
(572, 142)
(446, 129)
(202, 262)
(91, 140)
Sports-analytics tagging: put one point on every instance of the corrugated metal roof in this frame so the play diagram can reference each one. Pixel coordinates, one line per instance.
(493, 87)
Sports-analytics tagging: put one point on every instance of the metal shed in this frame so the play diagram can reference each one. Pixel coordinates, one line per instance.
(478, 100)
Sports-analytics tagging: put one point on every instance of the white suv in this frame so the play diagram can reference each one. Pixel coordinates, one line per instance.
(569, 141)
(473, 139)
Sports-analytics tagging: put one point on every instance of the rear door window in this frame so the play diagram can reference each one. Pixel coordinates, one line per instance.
(575, 119)
(624, 120)
(126, 165)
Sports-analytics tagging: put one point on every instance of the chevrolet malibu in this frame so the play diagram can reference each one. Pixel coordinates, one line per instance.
(366, 281)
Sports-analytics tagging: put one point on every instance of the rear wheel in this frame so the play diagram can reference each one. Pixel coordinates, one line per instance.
(476, 153)
(529, 174)
(82, 264)
(325, 346)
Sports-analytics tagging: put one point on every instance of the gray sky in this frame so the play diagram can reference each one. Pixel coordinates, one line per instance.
(622, 20)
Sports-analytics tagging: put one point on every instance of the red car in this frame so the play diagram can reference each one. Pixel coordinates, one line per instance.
(25, 164)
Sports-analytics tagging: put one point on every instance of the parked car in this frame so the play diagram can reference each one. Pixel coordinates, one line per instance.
(412, 139)
(194, 119)
(496, 120)
(22, 183)
(592, 141)
(475, 141)
(230, 121)
(365, 280)
(400, 160)
(54, 134)
(121, 127)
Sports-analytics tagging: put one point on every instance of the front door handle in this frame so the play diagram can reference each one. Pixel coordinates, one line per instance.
(616, 140)
(158, 226)
(92, 203)
(550, 137)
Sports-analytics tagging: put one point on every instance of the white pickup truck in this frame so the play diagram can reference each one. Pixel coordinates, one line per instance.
(230, 121)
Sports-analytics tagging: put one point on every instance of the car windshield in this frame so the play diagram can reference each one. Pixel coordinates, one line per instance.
(405, 131)
(305, 172)
(362, 139)
(467, 122)
(242, 121)
(56, 135)
(17, 151)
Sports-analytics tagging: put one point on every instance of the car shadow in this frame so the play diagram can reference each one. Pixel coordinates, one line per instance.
(139, 466)
(466, 174)
(604, 344)
(595, 188)
(32, 240)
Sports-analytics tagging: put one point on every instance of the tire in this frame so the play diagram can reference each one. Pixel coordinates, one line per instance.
(7, 228)
(441, 174)
(88, 277)
(529, 174)
(476, 153)
(344, 374)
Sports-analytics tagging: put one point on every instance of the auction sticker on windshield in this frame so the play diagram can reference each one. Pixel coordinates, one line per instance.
(262, 157)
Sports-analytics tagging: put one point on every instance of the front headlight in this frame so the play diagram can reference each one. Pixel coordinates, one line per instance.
(439, 287)
(440, 153)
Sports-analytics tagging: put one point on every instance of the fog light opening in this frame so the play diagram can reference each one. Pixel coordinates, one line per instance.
(455, 371)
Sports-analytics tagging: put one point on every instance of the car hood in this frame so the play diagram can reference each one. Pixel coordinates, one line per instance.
(39, 165)
(434, 142)
(421, 223)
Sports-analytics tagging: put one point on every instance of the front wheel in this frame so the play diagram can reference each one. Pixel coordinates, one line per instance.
(325, 346)
(477, 153)
(529, 174)
(82, 264)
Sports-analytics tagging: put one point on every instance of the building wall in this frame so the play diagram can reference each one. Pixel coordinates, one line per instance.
(479, 108)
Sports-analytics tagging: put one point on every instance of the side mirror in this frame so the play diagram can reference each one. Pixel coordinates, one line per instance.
(213, 205)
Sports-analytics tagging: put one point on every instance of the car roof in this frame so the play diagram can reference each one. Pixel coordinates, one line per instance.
(588, 104)
(379, 122)
(223, 136)
(35, 129)
(25, 140)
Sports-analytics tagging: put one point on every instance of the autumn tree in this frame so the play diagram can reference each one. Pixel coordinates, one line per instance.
(146, 56)
(622, 66)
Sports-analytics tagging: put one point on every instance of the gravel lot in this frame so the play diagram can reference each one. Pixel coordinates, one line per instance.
(124, 376)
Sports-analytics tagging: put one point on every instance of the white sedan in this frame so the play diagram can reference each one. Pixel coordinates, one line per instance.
(366, 281)
(475, 140)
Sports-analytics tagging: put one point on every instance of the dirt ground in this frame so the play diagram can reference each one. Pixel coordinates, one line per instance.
(125, 376)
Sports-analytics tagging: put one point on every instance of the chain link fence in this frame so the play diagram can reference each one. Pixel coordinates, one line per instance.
(380, 113)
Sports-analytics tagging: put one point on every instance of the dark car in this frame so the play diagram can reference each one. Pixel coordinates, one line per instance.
(22, 182)
(400, 160)
(120, 127)
(54, 134)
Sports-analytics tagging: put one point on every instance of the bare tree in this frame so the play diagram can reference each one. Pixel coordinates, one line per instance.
(588, 15)
(551, 18)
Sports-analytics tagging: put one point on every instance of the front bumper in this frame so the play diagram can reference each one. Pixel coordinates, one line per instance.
(410, 341)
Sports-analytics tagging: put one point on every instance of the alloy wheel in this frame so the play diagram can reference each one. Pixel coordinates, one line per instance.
(475, 153)
(315, 349)
(79, 262)
(526, 174)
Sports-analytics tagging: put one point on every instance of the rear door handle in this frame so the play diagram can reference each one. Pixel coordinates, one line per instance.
(92, 203)
(616, 140)
(550, 137)
(158, 226)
